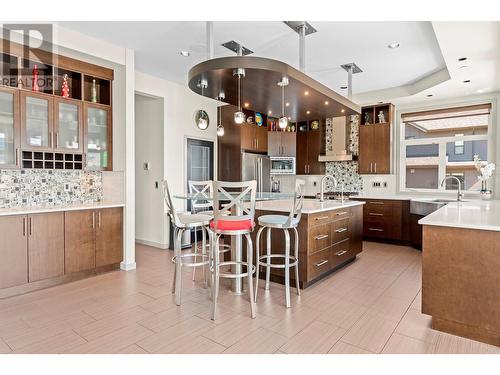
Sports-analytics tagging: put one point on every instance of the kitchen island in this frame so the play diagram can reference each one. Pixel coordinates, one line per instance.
(330, 236)
(461, 269)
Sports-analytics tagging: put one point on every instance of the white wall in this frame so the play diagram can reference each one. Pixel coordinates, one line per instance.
(179, 105)
(149, 212)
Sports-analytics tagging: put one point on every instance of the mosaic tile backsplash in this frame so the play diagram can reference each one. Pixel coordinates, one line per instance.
(346, 172)
(49, 187)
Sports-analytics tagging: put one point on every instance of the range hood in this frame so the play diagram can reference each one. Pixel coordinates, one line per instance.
(339, 134)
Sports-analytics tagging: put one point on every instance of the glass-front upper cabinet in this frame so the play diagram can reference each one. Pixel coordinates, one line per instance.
(98, 140)
(36, 121)
(9, 128)
(68, 129)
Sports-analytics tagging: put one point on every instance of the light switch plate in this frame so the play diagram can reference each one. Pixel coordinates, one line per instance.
(147, 166)
(67, 186)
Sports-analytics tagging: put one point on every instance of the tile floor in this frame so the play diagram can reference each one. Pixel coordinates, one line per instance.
(370, 306)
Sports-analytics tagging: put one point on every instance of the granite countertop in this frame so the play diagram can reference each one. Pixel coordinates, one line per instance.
(310, 205)
(483, 215)
(71, 207)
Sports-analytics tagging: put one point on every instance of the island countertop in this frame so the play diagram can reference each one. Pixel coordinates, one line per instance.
(484, 215)
(27, 210)
(311, 206)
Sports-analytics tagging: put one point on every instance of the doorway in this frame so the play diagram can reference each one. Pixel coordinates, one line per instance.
(199, 161)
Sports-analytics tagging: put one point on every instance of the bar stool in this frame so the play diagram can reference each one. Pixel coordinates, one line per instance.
(238, 222)
(284, 223)
(181, 222)
(203, 206)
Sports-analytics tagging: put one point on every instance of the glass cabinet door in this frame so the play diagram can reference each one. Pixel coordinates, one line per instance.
(8, 138)
(98, 146)
(37, 122)
(68, 134)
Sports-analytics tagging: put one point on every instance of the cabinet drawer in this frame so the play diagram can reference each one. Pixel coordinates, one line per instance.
(340, 230)
(341, 214)
(340, 252)
(319, 263)
(378, 210)
(377, 229)
(320, 237)
(320, 218)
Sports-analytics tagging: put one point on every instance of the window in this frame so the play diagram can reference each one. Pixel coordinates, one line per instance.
(443, 143)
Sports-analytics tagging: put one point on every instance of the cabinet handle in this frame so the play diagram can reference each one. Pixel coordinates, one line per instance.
(257, 143)
(24, 227)
(93, 219)
(29, 225)
(321, 237)
(342, 252)
(375, 214)
(375, 202)
(375, 229)
(51, 140)
(341, 213)
(17, 156)
(57, 140)
(375, 167)
(371, 167)
(99, 219)
(320, 263)
(340, 230)
(322, 217)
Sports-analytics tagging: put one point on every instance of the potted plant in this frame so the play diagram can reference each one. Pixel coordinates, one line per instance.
(485, 172)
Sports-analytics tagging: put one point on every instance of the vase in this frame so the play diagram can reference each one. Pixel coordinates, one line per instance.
(485, 193)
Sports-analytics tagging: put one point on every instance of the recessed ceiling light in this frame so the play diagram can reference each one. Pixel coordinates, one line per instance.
(343, 87)
(306, 93)
(326, 102)
(393, 45)
(308, 112)
(462, 59)
(463, 67)
(270, 112)
(287, 104)
(185, 53)
(379, 102)
(342, 110)
(467, 81)
(246, 104)
(429, 95)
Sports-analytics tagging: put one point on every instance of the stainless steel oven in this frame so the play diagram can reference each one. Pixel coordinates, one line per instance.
(282, 165)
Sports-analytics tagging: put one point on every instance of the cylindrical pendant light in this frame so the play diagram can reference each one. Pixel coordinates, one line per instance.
(283, 120)
(239, 116)
(220, 128)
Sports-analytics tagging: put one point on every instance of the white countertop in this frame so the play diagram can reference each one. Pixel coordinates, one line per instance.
(311, 206)
(43, 209)
(483, 215)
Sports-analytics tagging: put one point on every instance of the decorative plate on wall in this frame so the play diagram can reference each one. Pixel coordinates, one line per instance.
(315, 125)
(201, 119)
(258, 118)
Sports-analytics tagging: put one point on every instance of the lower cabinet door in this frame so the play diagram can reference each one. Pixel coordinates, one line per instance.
(79, 239)
(109, 236)
(13, 251)
(46, 245)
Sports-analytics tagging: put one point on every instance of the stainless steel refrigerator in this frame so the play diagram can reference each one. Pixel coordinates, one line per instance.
(256, 167)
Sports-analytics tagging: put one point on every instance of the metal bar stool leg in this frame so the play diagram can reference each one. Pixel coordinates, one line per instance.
(195, 250)
(257, 258)
(296, 253)
(268, 259)
(215, 285)
(204, 253)
(174, 237)
(287, 268)
(178, 268)
(249, 276)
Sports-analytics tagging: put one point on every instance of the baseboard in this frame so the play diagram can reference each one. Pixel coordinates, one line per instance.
(159, 245)
(128, 266)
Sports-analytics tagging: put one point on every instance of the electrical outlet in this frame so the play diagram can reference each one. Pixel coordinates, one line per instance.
(315, 183)
(385, 184)
(147, 166)
(67, 186)
(375, 184)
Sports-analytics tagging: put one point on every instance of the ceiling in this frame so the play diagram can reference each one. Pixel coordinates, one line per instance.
(158, 44)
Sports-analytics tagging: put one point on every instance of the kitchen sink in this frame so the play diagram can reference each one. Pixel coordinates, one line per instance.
(424, 207)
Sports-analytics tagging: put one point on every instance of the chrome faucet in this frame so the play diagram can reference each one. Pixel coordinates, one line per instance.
(323, 180)
(460, 195)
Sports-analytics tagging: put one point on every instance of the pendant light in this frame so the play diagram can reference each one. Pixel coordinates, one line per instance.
(283, 120)
(220, 128)
(239, 116)
(201, 117)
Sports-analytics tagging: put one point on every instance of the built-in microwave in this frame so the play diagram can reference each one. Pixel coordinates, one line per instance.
(282, 165)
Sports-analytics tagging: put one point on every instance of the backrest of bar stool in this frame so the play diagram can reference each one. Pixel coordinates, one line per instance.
(298, 203)
(204, 189)
(234, 194)
(170, 206)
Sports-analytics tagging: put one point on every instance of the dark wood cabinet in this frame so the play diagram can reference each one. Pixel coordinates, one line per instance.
(97, 241)
(45, 245)
(281, 143)
(109, 237)
(79, 230)
(13, 250)
(309, 147)
(375, 140)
